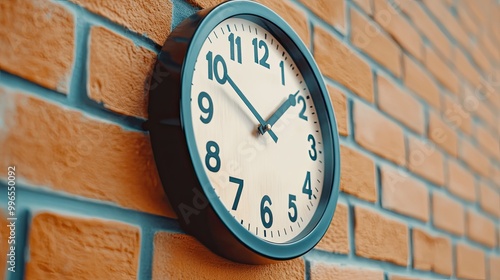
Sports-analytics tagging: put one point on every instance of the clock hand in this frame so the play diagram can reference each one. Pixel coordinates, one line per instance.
(291, 101)
(252, 109)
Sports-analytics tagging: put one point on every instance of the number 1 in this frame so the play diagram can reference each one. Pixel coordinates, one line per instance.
(282, 66)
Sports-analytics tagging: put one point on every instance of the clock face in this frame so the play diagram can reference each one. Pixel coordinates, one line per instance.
(257, 130)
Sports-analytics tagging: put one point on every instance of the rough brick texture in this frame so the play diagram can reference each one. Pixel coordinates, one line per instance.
(122, 91)
(398, 27)
(432, 253)
(321, 271)
(378, 134)
(494, 268)
(331, 11)
(461, 182)
(35, 46)
(426, 161)
(399, 104)
(448, 214)
(295, 17)
(336, 238)
(380, 238)
(179, 256)
(470, 262)
(339, 102)
(357, 175)
(52, 143)
(4, 245)
(481, 229)
(149, 17)
(337, 62)
(367, 37)
(421, 83)
(403, 194)
(414, 88)
(426, 25)
(441, 133)
(489, 200)
(64, 247)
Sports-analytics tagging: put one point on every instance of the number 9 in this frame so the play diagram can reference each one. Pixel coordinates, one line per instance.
(206, 110)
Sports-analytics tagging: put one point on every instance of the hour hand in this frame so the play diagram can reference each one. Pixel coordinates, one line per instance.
(289, 102)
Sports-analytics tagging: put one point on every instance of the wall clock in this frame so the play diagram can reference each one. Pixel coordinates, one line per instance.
(243, 134)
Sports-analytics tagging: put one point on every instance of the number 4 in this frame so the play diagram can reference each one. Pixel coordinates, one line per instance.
(306, 189)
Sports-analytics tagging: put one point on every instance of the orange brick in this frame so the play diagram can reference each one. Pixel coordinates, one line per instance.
(448, 214)
(488, 142)
(339, 63)
(475, 158)
(474, 99)
(331, 11)
(296, 18)
(489, 45)
(357, 174)
(483, 111)
(477, 11)
(4, 245)
(441, 71)
(456, 115)
(481, 229)
(496, 176)
(466, 69)
(180, 256)
(461, 181)
(442, 134)
(339, 102)
(378, 134)
(489, 200)
(35, 46)
(426, 161)
(322, 271)
(467, 21)
(380, 238)
(104, 161)
(367, 37)
(121, 91)
(152, 17)
(399, 104)
(427, 26)
(470, 262)
(494, 268)
(404, 195)
(440, 11)
(67, 247)
(432, 253)
(205, 3)
(365, 5)
(399, 28)
(336, 238)
(479, 56)
(418, 81)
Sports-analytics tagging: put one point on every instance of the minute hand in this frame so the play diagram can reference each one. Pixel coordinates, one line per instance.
(291, 101)
(252, 109)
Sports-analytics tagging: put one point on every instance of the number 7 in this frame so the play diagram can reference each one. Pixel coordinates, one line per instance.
(238, 192)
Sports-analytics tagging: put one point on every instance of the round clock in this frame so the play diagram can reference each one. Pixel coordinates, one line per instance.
(244, 135)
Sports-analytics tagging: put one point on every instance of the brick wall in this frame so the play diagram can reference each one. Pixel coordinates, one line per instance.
(415, 86)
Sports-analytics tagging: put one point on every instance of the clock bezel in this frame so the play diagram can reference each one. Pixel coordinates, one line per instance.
(201, 25)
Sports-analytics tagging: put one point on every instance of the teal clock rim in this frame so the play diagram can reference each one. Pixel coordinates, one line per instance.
(306, 241)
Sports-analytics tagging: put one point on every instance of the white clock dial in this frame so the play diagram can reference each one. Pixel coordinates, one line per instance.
(271, 183)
